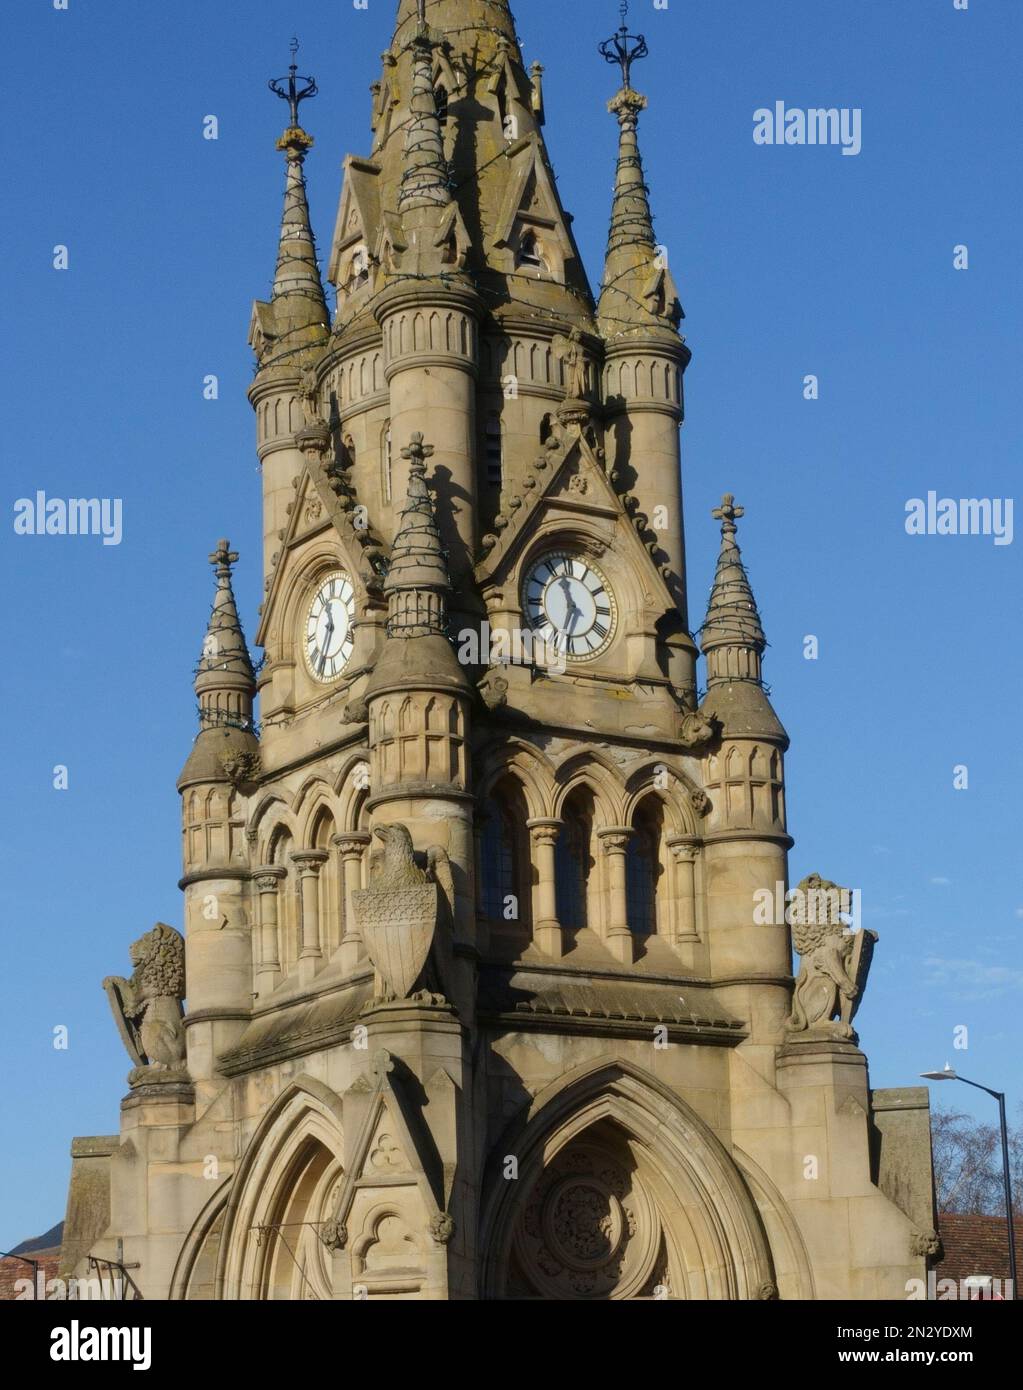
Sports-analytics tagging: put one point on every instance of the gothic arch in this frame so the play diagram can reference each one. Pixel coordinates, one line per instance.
(351, 797)
(684, 1213)
(588, 767)
(292, 1166)
(313, 797)
(198, 1245)
(528, 765)
(678, 814)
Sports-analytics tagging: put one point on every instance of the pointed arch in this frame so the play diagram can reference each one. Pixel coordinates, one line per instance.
(529, 765)
(703, 1233)
(291, 1167)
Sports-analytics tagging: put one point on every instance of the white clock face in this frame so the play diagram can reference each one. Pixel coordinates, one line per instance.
(328, 628)
(569, 604)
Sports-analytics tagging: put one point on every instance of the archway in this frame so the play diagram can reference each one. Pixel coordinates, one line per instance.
(622, 1193)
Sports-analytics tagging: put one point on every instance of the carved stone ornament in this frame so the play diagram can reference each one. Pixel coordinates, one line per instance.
(700, 802)
(834, 961)
(355, 712)
(493, 691)
(334, 1234)
(696, 729)
(925, 1244)
(588, 1229)
(147, 1008)
(241, 768)
(442, 1228)
(397, 914)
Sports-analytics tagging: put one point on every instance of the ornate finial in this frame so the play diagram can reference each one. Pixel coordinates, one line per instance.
(728, 514)
(294, 93)
(224, 557)
(417, 453)
(624, 48)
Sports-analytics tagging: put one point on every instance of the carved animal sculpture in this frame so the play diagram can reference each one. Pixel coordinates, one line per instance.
(397, 868)
(147, 1008)
(824, 948)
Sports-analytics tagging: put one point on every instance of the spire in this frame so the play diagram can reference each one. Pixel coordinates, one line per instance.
(424, 177)
(732, 637)
(298, 308)
(637, 290)
(225, 681)
(417, 584)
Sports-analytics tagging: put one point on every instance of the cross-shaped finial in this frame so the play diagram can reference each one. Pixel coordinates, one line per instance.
(224, 557)
(625, 48)
(728, 514)
(294, 93)
(417, 453)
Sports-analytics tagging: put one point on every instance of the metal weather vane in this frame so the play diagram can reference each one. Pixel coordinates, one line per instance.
(624, 48)
(297, 90)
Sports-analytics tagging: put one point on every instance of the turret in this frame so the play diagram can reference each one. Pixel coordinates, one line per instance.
(639, 314)
(746, 841)
(224, 761)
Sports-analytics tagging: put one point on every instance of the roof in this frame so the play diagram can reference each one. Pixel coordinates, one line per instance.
(12, 1271)
(975, 1245)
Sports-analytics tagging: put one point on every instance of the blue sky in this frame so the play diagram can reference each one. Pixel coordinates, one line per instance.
(791, 260)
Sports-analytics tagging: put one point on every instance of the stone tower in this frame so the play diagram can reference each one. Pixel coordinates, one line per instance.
(487, 934)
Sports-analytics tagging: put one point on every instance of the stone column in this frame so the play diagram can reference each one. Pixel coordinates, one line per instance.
(684, 935)
(351, 847)
(546, 927)
(309, 863)
(619, 939)
(268, 955)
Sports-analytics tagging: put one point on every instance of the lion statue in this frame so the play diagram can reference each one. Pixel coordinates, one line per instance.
(147, 1008)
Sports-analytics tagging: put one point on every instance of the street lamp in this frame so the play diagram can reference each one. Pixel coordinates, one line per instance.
(949, 1074)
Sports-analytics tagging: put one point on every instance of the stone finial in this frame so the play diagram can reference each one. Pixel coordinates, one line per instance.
(728, 514)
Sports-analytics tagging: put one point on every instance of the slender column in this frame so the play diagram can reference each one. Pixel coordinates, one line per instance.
(351, 848)
(546, 928)
(684, 851)
(268, 969)
(619, 939)
(309, 864)
(685, 937)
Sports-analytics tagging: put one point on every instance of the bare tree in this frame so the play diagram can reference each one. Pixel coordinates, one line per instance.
(968, 1164)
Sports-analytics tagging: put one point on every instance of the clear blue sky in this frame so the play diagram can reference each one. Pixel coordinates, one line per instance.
(790, 261)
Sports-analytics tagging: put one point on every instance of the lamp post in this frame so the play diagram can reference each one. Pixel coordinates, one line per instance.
(949, 1074)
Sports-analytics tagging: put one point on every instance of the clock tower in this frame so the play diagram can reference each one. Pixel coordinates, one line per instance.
(482, 1001)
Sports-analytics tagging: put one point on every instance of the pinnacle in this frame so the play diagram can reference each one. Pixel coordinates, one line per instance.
(733, 622)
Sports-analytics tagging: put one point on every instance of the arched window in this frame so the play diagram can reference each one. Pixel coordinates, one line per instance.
(530, 252)
(493, 451)
(546, 429)
(440, 94)
(643, 869)
(358, 271)
(573, 860)
(505, 888)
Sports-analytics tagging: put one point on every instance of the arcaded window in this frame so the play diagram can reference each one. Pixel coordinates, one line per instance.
(573, 861)
(644, 869)
(505, 886)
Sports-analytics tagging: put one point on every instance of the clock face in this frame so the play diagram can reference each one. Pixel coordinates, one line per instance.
(569, 603)
(328, 628)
